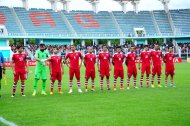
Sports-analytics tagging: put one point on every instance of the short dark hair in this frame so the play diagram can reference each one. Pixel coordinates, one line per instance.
(42, 44)
(19, 46)
(118, 47)
(56, 47)
(132, 45)
(170, 47)
(145, 46)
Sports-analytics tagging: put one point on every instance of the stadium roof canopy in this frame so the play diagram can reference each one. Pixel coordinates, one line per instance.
(94, 4)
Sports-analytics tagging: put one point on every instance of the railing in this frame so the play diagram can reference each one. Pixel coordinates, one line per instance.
(155, 23)
(187, 34)
(116, 23)
(67, 22)
(18, 21)
(171, 22)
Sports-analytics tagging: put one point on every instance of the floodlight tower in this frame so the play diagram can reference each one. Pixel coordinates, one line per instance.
(94, 4)
(165, 4)
(25, 4)
(53, 4)
(135, 4)
(124, 3)
(65, 4)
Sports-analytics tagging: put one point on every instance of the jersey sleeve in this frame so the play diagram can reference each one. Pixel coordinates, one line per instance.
(25, 56)
(174, 55)
(80, 55)
(99, 56)
(85, 57)
(13, 58)
(47, 54)
(164, 58)
(94, 57)
(36, 54)
(67, 56)
(109, 57)
(61, 59)
(135, 56)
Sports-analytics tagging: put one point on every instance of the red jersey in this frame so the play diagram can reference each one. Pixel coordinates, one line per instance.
(131, 58)
(156, 57)
(19, 61)
(74, 59)
(118, 59)
(56, 62)
(104, 58)
(145, 58)
(90, 60)
(168, 59)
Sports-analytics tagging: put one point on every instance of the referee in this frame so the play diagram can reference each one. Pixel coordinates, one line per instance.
(2, 68)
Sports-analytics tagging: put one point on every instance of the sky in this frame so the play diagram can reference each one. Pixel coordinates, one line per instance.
(104, 5)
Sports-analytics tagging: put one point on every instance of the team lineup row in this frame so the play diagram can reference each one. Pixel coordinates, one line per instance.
(146, 59)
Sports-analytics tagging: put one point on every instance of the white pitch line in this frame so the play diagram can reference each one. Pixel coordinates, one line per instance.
(4, 121)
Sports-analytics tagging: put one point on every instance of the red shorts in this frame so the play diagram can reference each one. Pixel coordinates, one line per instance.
(56, 76)
(132, 71)
(169, 71)
(20, 73)
(157, 70)
(90, 74)
(118, 73)
(145, 69)
(75, 72)
(104, 72)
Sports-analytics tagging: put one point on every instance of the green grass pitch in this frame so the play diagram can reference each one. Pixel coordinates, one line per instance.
(140, 107)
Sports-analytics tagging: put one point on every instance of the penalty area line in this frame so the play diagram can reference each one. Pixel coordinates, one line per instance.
(9, 123)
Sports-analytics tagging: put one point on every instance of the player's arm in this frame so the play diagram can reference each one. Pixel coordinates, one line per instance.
(98, 65)
(50, 67)
(139, 64)
(12, 65)
(62, 67)
(27, 69)
(162, 59)
(81, 57)
(110, 63)
(95, 59)
(84, 61)
(113, 60)
(36, 57)
(126, 62)
(67, 61)
(48, 56)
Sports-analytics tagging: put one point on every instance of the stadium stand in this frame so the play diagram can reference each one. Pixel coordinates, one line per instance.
(86, 23)
(8, 20)
(100, 23)
(38, 21)
(131, 20)
(162, 21)
(181, 20)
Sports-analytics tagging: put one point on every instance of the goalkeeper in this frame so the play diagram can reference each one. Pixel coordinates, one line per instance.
(41, 57)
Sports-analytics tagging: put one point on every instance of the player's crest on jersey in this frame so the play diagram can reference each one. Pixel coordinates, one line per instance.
(21, 58)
